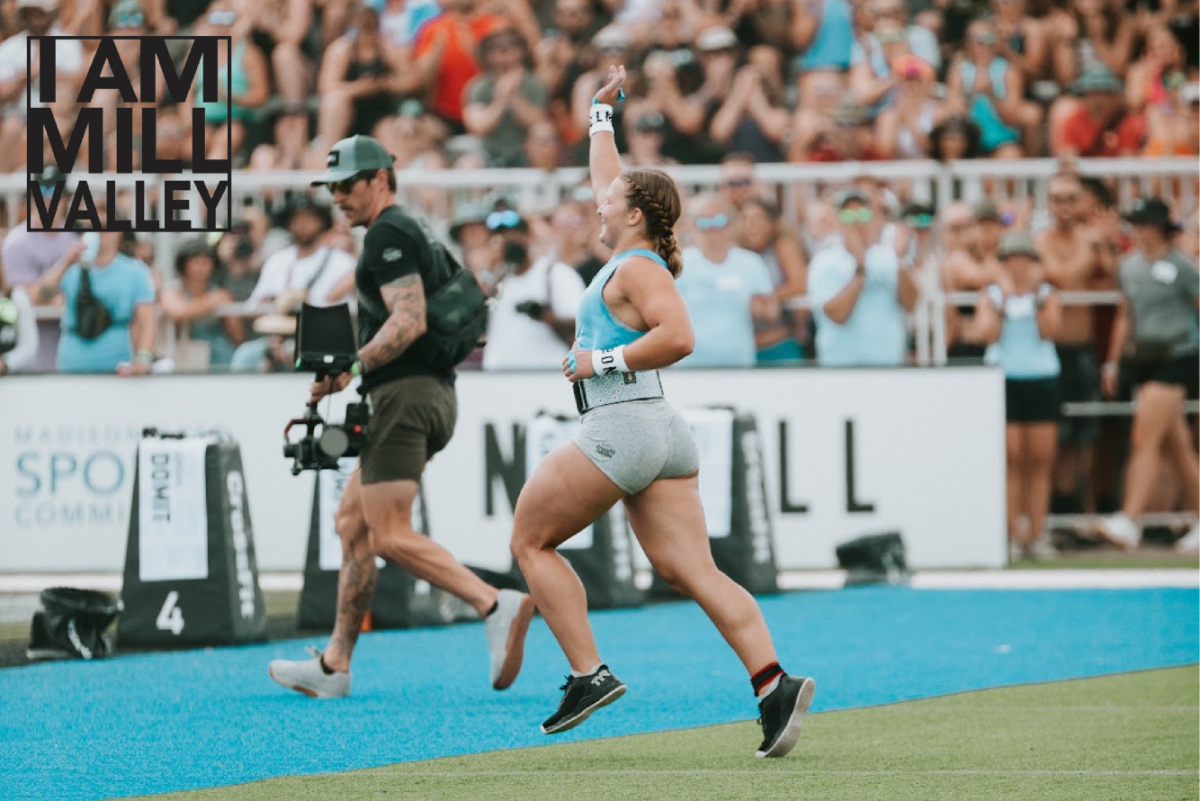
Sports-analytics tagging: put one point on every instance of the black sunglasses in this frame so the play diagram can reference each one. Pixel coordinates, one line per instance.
(346, 184)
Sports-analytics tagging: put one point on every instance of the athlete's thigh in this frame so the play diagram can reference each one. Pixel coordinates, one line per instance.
(565, 494)
(668, 520)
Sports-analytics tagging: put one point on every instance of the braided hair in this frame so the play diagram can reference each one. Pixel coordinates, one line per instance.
(656, 195)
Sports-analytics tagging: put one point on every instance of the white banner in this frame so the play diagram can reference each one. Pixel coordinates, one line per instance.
(173, 517)
(713, 432)
(846, 453)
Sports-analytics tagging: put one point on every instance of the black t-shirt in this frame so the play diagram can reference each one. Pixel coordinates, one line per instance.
(396, 245)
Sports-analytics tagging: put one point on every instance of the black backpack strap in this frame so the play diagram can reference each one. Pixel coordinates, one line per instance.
(320, 269)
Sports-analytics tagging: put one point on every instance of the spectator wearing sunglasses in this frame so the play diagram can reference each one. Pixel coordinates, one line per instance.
(532, 321)
(727, 289)
(860, 293)
(29, 255)
(1076, 258)
(738, 180)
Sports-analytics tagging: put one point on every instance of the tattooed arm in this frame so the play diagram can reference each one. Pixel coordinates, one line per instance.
(405, 298)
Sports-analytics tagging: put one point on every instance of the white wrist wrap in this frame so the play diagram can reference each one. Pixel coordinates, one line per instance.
(601, 118)
(611, 361)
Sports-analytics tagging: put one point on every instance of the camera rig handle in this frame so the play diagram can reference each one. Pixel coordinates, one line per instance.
(310, 421)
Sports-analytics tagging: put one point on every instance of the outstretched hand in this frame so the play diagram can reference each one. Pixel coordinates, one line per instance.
(610, 93)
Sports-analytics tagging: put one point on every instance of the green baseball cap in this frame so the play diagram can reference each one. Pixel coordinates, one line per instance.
(351, 156)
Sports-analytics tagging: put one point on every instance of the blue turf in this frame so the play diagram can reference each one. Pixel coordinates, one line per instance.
(156, 723)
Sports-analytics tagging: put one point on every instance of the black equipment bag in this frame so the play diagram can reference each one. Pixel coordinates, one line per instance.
(92, 318)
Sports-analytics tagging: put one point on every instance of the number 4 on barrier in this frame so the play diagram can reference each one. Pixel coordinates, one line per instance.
(170, 617)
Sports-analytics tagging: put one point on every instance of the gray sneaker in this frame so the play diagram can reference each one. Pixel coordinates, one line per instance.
(506, 629)
(1189, 543)
(306, 676)
(1121, 531)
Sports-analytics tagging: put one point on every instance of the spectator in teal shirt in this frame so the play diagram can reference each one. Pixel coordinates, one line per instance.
(726, 289)
(126, 290)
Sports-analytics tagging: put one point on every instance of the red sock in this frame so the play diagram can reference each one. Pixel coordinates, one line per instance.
(765, 676)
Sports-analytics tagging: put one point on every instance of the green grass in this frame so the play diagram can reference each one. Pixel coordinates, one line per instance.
(1103, 559)
(1132, 737)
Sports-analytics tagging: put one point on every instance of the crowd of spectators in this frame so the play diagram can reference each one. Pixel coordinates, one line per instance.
(468, 83)
(471, 84)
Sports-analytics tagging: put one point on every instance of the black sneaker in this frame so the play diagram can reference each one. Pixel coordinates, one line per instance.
(584, 695)
(781, 713)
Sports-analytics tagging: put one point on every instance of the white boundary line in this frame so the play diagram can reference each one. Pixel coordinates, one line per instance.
(1032, 579)
(458, 774)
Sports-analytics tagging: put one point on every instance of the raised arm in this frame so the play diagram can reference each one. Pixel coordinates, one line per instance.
(604, 162)
(988, 322)
(1049, 315)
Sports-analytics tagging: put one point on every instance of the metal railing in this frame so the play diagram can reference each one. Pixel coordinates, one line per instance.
(439, 192)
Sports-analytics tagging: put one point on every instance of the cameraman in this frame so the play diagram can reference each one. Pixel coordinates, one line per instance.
(533, 317)
(413, 411)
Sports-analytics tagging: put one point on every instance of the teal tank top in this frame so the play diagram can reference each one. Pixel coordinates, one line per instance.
(993, 131)
(596, 328)
(1021, 352)
(239, 82)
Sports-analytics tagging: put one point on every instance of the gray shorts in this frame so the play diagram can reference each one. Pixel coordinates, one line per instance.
(638, 442)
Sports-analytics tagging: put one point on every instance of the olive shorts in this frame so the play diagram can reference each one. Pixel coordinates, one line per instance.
(411, 420)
